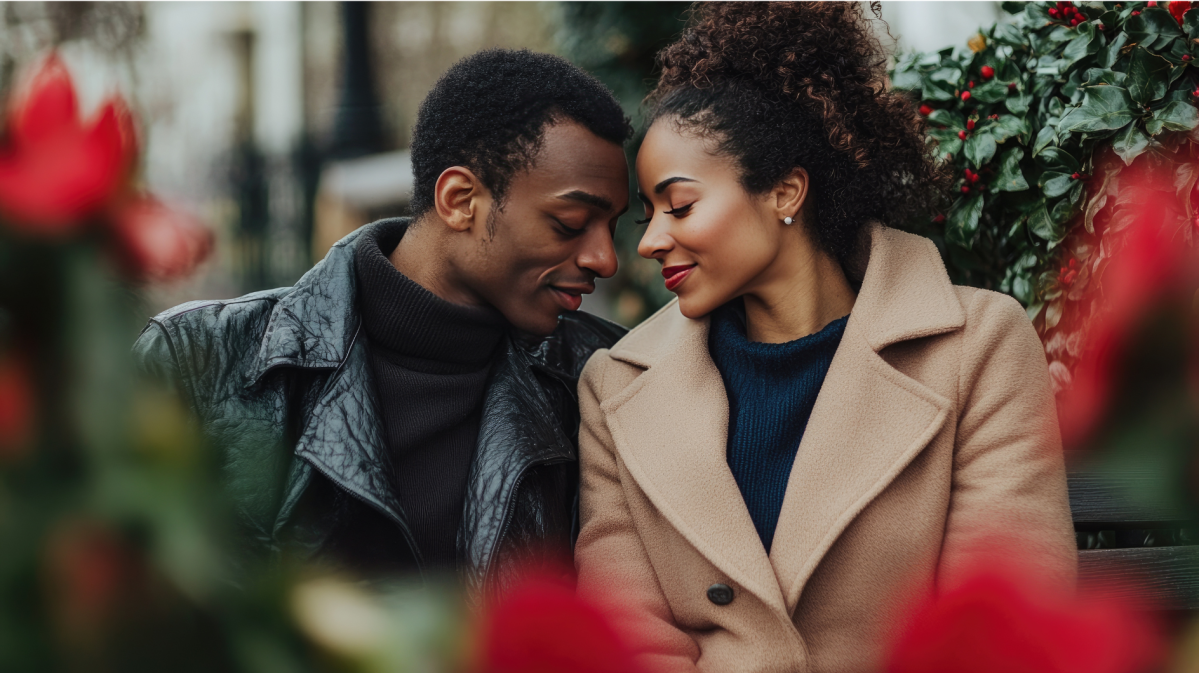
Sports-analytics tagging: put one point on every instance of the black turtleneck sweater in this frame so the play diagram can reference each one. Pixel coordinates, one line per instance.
(430, 359)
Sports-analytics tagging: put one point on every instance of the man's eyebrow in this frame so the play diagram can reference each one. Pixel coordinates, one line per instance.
(661, 186)
(587, 198)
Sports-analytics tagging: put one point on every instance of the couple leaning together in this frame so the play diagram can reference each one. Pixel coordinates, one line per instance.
(820, 429)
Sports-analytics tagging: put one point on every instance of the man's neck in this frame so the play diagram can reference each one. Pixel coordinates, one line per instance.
(421, 256)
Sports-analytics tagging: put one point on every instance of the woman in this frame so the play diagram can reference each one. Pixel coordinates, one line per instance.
(821, 429)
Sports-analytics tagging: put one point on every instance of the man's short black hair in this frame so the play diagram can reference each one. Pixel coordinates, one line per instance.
(489, 112)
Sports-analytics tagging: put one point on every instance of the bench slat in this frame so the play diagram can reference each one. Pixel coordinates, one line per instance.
(1148, 577)
(1100, 501)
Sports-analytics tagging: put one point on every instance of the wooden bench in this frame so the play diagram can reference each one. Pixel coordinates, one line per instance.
(1145, 554)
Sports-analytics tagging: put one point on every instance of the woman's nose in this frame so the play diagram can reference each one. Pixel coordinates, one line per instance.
(656, 241)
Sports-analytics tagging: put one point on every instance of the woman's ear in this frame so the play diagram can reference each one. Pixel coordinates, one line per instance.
(790, 194)
(460, 198)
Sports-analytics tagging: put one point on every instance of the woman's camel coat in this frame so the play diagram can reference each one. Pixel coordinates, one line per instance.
(934, 436)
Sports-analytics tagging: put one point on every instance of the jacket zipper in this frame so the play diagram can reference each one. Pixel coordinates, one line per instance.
(510, 513)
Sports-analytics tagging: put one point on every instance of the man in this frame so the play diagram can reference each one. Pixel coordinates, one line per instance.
(409, 405)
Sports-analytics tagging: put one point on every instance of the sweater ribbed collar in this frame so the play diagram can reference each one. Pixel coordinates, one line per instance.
(403, 317)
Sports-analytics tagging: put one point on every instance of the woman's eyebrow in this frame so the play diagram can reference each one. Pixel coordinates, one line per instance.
(670, 181)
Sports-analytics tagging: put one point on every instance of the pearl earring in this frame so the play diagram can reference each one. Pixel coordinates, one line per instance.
(787, 220)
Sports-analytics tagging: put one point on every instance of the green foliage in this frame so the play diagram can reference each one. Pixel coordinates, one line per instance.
(1068, 111)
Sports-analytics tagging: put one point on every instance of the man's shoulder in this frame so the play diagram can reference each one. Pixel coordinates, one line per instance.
(578, 335)
(197, 334)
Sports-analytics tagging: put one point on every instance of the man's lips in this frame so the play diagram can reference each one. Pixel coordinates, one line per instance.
(676, 274)
(570, 297)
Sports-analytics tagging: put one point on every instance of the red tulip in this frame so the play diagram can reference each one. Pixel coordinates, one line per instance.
(999, 619)
(55, 170)
(16, 408)
(541, 626)
(154, 242)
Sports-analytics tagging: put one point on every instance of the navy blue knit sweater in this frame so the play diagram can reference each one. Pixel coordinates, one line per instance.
(772, 389)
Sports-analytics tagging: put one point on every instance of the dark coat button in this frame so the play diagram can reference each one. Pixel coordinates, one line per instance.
(720, 594)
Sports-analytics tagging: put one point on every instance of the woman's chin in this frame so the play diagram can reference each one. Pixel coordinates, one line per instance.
(695, 307)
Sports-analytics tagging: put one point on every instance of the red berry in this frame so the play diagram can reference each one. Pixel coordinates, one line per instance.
(1074, 21)
(1011, 86)
(968, 173)
(925, 110)
(938, 219)
(965, 95)
(1136, 13)
(962, 135)
(1186, 57)
(1076, 176)
(987, 71)
(1151, 3)
(994, 116)
(1100, 26)
(965, 189)
(1053, 12)
(969, 124)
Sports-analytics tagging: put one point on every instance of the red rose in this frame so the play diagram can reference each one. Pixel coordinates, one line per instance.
(1000, 619)
(16, 407)
(154, 242)
(55, 170)
(541, 626)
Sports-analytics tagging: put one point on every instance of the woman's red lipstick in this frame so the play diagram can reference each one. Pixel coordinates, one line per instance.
(676, 274)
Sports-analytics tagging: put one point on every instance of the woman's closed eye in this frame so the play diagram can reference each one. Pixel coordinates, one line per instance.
(680, 211)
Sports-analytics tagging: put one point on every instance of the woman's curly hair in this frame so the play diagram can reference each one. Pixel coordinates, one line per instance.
(781, 85)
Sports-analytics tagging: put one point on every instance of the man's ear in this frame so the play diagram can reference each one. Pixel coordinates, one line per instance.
(791, 193)
(460, 198)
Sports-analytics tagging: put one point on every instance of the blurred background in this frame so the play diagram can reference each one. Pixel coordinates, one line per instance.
(285, 125)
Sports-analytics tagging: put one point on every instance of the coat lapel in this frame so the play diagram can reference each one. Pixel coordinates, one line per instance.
(670, 428)
(870, 420)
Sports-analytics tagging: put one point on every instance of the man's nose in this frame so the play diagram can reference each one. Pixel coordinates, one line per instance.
(599, 253)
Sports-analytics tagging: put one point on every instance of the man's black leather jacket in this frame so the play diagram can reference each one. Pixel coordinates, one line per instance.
(282, 385)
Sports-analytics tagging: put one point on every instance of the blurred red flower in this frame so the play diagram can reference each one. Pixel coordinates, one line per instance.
(1177, 9)
(16, 408)
(56, 171)
(154, 242)
(1150, 268)
(1001, 620)
(90, 572)
(541, 626)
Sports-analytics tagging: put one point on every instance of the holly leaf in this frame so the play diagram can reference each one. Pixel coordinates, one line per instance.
(1055, 184)
(1087, 42)
(1190, 24)
(1008, 126)
(1129, 143)
(947, 118)
(1043, 226)
(1097, 76)
(980, 147)
(947, 141)
(1148, 76)
(1055, 158)
(1104, 108)
(1045, 138)
(1108, 56)
(1176, 116)
(1006, 33)
(1010, 177)
(1151, 24)
(936, 91)
(908, 79)
(963, 220)
(1098, 200)
(1018, 104)
(991, 92)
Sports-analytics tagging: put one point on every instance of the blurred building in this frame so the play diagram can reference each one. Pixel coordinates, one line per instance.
(284, 125)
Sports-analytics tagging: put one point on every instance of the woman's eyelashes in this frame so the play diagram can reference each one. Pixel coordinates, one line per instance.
(681, 211)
